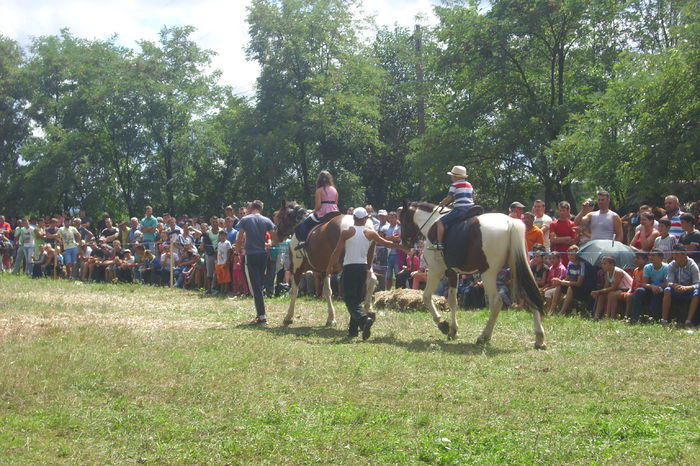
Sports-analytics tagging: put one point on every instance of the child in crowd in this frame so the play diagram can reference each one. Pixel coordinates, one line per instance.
(573, 286)
(556, 270)
(539, 269)
(665, 241)
(223, 253)
(640, 260)
(650, 289)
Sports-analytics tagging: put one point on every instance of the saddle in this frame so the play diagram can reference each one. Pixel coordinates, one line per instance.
(463, 245)
(304, 229)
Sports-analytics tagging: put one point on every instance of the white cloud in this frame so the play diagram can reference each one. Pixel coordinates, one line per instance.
(220, 24)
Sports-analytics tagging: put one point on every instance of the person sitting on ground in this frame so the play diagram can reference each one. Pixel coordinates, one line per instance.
(690, 239)
(646, 235)
(462, 193)
(539, 269)
(640, 260)
(651, 287)
(573, 286)
(604, 223)
(326, 202)
(616, 281)
(533, 235)
(556, 270)
(683, 285)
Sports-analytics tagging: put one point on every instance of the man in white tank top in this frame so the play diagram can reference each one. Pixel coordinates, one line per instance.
(604, 223)
(355, 241)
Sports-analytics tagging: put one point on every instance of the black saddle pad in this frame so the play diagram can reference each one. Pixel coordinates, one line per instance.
(455, 239)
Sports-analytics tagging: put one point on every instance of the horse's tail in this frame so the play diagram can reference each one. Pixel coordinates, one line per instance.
(524, 285)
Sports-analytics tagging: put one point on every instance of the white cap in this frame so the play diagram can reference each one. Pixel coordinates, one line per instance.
(382, 212)
(359, 212)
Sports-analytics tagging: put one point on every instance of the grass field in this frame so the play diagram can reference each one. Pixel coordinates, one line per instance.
(133, 374)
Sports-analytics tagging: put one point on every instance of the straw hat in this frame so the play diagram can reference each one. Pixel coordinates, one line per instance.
(458, 170)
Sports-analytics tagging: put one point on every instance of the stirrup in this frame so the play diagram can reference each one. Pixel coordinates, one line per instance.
(301, 245)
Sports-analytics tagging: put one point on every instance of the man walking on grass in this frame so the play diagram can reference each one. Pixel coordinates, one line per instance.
(253, 229)
(355, 241)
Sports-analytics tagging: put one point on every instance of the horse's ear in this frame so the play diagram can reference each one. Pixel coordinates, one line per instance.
(405, 205)
(284, 203)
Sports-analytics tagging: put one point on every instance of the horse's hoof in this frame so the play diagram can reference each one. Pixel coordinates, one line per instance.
(481, 341)
(444, 327)
(451, 336)
(330, 323)
(287, 322)
(543, 346)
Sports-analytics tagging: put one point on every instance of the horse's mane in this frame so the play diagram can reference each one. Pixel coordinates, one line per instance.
(424, 206)
(298, 210)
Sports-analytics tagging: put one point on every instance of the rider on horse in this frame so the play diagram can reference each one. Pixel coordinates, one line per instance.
(326, 203)
(462, 193)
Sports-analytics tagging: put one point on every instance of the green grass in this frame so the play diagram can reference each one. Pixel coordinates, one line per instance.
(126, 374)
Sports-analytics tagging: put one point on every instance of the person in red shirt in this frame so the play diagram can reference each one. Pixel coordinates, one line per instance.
(562, 233)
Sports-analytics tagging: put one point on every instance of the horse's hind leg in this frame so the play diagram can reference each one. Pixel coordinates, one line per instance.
(328, 295)
(452, 277)
(495, 304)
(539, 331)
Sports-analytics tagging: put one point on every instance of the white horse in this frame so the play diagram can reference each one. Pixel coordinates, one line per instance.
(502, 241)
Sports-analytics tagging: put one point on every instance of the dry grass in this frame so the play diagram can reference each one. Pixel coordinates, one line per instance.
(405, 300)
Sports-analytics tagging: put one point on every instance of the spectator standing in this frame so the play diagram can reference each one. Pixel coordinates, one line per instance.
(542, 221)
(149, 225)
(392, 232)
(533, 235)
(673, 213)
(516, 210)
(604, 223)
(562, 234)
(253, 229)
(70, 237)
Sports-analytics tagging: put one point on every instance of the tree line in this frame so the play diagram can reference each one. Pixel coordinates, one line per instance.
(537, 98)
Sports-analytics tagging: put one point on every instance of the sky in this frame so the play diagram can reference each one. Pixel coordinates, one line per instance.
(220, 24)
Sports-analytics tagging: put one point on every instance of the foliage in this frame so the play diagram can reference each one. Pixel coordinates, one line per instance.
(538, 98)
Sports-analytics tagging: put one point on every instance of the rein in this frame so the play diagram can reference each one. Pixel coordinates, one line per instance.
(428, 219)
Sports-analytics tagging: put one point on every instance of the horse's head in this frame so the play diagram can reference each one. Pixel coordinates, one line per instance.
(288, 217)
(409, 230)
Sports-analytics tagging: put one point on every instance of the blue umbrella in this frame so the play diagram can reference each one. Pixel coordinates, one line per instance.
(594, 251)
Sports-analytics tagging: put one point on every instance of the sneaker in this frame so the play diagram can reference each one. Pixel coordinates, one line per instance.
(367, 328)
(260, 320)
(301, 245)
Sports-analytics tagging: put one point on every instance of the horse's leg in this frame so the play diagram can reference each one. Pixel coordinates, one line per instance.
(452, 278)
(328, 295)
(495, 303)
(372, 283)
(434, 277)
(293, 293)
(539, 331)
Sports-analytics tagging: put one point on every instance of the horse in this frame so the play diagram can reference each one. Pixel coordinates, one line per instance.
(320, 244)
(494, 241)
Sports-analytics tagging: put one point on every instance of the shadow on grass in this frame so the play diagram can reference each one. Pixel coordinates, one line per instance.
(415, 346)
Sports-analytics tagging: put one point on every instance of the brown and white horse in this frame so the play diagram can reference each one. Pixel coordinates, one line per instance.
(502, 241)
(319, 246)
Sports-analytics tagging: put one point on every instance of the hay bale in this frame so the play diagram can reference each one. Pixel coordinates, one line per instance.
(405, 300)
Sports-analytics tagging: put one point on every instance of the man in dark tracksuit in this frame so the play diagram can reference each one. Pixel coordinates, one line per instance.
(356, 241)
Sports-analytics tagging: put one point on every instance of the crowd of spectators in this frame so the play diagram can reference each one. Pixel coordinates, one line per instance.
(191, 252)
